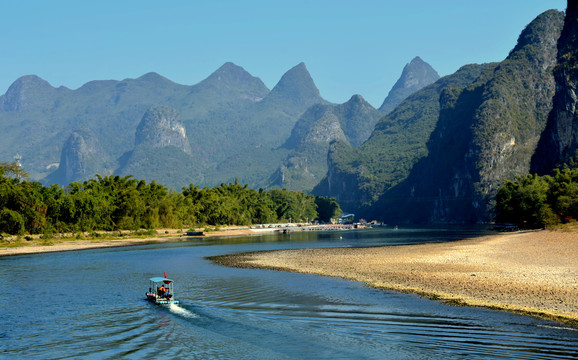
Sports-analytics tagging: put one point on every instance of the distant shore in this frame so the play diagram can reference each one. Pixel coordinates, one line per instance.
(66, 244)
(534, 273)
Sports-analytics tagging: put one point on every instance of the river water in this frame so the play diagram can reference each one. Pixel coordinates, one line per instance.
(91, 305)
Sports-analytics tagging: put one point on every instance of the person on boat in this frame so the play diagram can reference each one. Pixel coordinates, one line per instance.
(162, 291)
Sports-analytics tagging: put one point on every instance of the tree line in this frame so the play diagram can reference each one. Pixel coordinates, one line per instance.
(114, 202)
(534, 201)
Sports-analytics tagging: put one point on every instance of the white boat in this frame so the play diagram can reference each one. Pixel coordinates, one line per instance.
(161, 291)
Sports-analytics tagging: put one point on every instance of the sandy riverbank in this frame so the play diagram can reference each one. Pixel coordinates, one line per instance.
(534, 273)
(64, 244)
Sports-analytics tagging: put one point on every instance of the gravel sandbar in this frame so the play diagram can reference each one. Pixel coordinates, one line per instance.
(533, 272)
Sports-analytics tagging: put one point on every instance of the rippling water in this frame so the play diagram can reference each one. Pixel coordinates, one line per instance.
(90, 305)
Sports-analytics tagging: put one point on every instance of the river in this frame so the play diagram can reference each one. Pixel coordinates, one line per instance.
(91, 305)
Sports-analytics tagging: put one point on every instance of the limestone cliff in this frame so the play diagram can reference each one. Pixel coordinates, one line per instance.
(161, 127)
(486, 133)
(559, 140)
(81, 158)
(162, 151)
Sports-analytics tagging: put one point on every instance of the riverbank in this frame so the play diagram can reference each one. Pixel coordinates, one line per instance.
(533, 273)
(57, 244)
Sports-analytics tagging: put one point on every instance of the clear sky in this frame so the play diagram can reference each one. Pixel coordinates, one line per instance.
(349, 47)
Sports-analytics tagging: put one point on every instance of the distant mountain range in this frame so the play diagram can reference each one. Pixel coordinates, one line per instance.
(228, 126)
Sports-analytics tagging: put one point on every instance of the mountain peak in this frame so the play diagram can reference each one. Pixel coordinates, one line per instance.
(81, 158)
(297, 86)
(356, 104)
(416, 61)
(540, 34)
(356, 99)
(357, 118)
(233, 79)
(153, 77)
(26, 92)
(230, 74)
(415, 76)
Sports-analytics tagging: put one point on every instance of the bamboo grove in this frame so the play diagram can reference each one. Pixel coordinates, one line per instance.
(114, 202)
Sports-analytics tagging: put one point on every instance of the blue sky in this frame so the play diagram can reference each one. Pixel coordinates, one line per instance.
(349, 47)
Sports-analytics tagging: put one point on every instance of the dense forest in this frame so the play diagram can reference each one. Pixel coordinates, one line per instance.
(534, 201)
(114, 202)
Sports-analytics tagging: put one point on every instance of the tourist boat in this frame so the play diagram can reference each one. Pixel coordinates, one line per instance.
(161, 291)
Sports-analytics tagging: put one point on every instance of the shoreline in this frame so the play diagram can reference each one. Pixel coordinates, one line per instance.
(531, 273)
(164, 236)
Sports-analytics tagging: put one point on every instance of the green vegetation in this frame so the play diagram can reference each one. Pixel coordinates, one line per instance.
(327, 208)
(124, 203)
(534, 201)
(397, 143)
(226, 117)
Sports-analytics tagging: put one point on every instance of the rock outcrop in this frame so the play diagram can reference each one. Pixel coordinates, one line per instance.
(162, 151)
(559, 141)
(81, 158)
(161, 127)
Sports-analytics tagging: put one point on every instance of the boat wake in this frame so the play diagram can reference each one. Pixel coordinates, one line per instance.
(177, 310)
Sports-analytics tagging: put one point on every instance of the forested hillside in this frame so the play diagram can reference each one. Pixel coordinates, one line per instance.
(306, 163)
(486, 133)
(357, 177)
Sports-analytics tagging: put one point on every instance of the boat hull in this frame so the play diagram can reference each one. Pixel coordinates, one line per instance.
(160, 300)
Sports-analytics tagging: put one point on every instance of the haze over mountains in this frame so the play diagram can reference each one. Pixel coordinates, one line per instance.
(435, 151)
(233, 126)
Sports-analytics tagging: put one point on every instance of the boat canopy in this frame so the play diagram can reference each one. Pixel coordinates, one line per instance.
(161, 279)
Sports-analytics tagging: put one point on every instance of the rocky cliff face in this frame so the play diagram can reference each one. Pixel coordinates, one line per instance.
(81, 158)
(559, 140)
(305, 165)
(486, 133)
(415, 76)
(161, 127)
(162, 151)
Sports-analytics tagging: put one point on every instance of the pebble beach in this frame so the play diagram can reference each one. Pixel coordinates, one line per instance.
(534, 273)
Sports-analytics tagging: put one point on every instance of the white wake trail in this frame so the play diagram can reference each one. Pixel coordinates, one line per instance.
(177, 310)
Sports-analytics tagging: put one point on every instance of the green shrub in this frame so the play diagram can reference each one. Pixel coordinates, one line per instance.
(11, 222)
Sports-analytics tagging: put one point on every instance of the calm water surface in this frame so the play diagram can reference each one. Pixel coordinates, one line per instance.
(90, 305)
